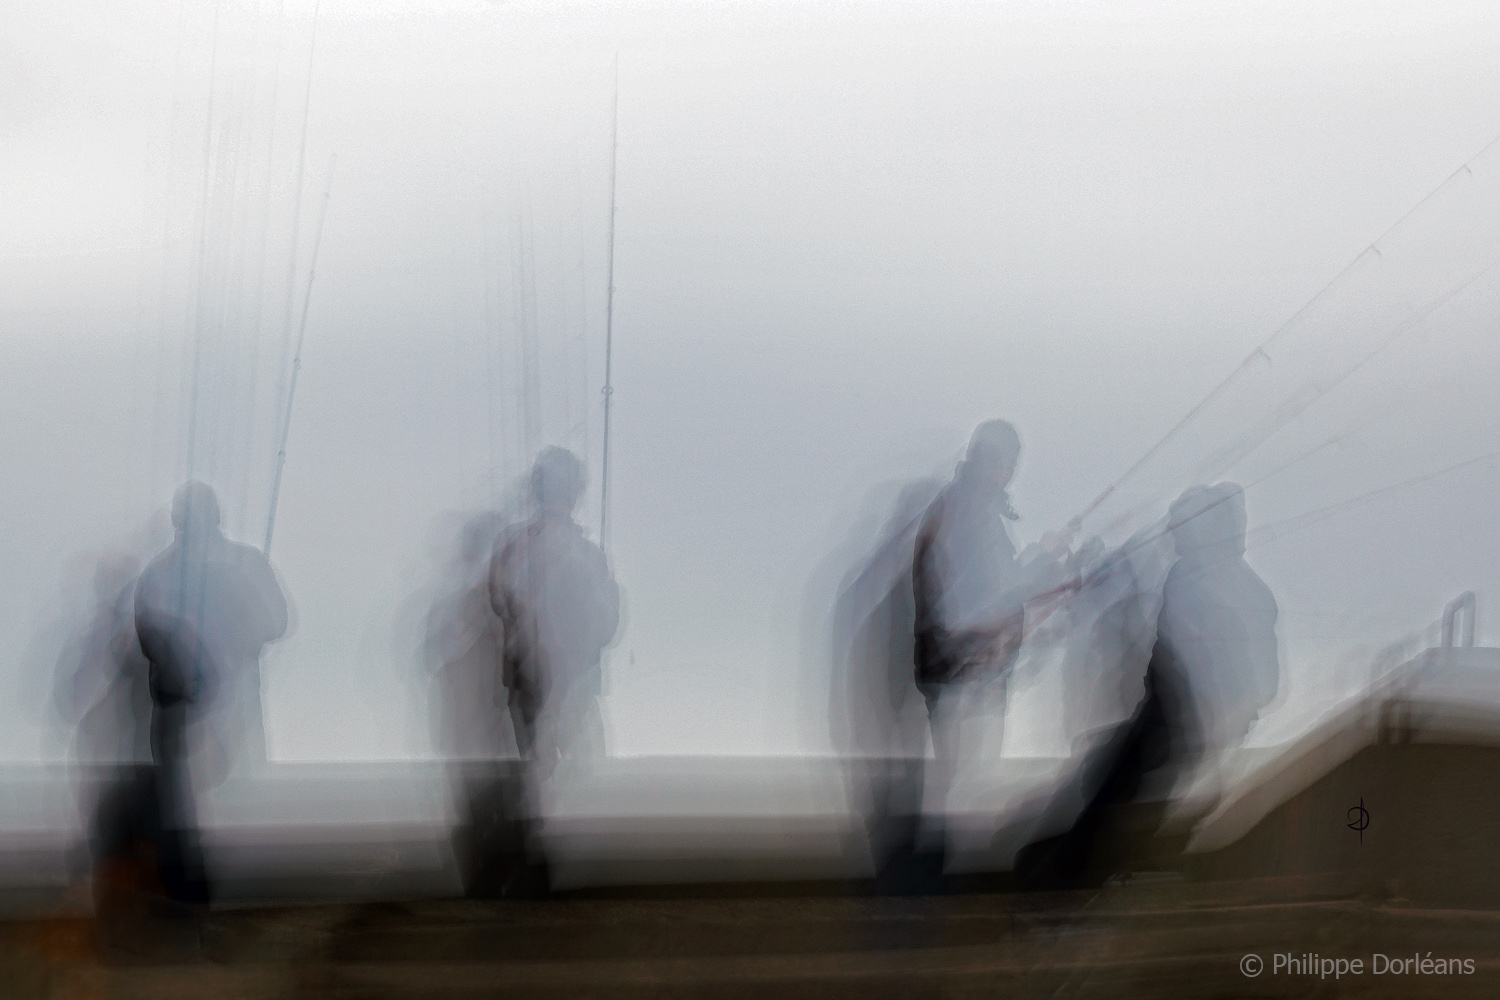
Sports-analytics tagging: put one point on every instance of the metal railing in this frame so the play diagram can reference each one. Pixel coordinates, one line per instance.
(1463, 602)
(1394, 684)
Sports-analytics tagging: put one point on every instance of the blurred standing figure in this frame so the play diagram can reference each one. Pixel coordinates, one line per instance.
(460, 647)
(970, 591)
(101, 674)
(204, 608)
(877, 719)
(1213, 667)
(470, 724)
(559, 607)
(102, 693)
(1218, 620)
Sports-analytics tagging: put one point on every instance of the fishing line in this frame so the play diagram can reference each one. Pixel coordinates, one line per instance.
(489, 325)
(1348, 432)
(197, 327)
(289, 299)
(1261, 353)
(286, 384)
(583, 426)
(578, 359)
(263, 236)
(1334, 509)
(609, 311)
(518, 337)
(533, 373)
(286, 425)
(1322, 391)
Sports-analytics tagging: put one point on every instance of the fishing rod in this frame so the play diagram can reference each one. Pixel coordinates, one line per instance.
(1307, 519)
(1347, 434)
(609, 309)
(1324, 513)
(1123, 552)
(200, 265)
(286, 420)
(291, 264)
(1042, 605)
(291, 277)
(1261, 353)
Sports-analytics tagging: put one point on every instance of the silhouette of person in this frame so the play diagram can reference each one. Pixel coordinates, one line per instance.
(460, 646)
(204, 608)
(969, 591)
(470, 722)
(101, 674)
(877, 720)
(558, 607)
(1218, 618)
(1213, 667)
(102, 693)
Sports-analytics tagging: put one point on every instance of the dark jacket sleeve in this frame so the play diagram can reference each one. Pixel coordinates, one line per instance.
(930, 646)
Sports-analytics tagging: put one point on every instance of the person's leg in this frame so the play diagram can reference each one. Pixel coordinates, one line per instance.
(179, 852)
(525, 708)
(911, 841)
(580, 717)
(525, 713)
(1110, 777)
(945, 711)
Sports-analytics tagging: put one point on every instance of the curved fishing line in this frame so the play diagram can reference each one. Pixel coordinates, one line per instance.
(1348, 432)
(1261, 353)
(1125, 553)
(1316, 516)
(1249, 446)
(1286, 417)
(1312, 517)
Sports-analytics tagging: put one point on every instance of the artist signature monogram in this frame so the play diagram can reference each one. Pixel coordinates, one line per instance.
(1359, 819)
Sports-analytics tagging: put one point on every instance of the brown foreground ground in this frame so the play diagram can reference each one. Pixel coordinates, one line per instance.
(1141, 938)
(1287, 875)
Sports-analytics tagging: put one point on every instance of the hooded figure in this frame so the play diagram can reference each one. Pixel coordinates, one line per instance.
(1218, 618)
(1212, 668)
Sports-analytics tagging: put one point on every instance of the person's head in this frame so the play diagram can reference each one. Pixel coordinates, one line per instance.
(1209, 519)
(557, 480)
(994, 448)
(195, 508)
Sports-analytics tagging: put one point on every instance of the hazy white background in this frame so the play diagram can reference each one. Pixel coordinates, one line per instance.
(846, 233)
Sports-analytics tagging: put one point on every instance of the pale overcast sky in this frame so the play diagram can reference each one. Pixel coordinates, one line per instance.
(846, 233)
